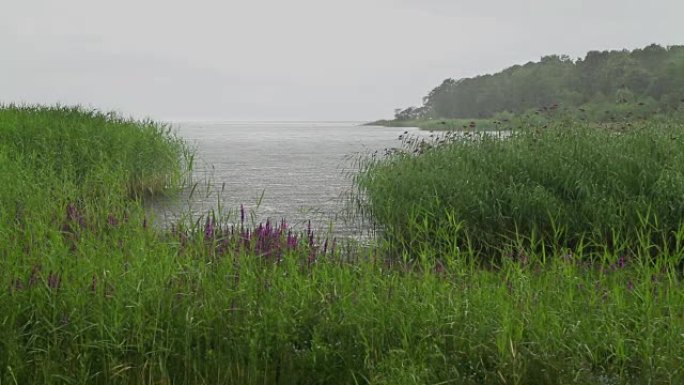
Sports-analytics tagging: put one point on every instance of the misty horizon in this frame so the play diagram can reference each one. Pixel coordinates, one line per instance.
(301, 61)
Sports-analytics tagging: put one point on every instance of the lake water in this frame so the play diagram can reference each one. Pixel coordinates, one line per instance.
(298, 171)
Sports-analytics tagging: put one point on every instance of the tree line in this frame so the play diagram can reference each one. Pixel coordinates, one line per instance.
(649, 78)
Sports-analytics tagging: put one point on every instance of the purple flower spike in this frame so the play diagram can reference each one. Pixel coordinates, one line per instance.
(622, 262)
(112, 221)
(53, 281)
(246, 239)
(74, 216)
(242, 215)
(291, 240)
(209, 228)
(72, 213)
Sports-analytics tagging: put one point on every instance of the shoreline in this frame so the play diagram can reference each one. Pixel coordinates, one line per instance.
(442, 124)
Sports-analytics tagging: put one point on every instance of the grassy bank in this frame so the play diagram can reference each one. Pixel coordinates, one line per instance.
(91, 294)
(560, 185)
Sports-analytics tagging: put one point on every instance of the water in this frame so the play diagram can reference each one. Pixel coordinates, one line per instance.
(298, 171)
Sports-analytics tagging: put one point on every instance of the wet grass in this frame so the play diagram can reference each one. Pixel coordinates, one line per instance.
(81, 145)
(551, 187)
(92, 294)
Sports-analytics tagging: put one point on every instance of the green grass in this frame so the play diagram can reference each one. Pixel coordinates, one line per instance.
(81, 146)
(561, 185)
(90, 294)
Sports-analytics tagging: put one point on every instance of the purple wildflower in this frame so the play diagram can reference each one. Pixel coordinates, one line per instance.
(291, 240)
(209, 228)
(53, 281)
(112, 221)
(622, 262)
(246, 238)
(72, 213)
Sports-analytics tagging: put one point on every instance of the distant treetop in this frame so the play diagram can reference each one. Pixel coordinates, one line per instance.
(653, 75)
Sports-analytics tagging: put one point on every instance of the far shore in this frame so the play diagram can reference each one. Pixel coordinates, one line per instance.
(442, 124)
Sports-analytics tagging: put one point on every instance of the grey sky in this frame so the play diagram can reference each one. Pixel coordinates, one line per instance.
(294, 59)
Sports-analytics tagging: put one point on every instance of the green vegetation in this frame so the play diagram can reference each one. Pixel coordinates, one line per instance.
(93, 295)
(447, 124)
(91, 150)
(602, 87)
(564, 184)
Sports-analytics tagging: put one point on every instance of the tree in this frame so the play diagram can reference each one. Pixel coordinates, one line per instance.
(651, 73)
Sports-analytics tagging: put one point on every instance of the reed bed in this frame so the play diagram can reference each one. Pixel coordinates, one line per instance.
(91, 293)
(560, 185)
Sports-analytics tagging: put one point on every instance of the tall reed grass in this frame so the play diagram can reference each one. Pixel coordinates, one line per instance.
(85, 146)
(561, 185)
(91, 293)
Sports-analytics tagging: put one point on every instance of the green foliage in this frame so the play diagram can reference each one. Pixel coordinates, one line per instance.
(653, 73)
(82, 146)
(495, 124)
(90, 294)
(561, 185)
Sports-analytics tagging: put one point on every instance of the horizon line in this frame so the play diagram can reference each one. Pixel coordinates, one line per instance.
(264, 121)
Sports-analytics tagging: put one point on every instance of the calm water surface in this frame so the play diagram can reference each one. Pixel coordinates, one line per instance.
(302, 169)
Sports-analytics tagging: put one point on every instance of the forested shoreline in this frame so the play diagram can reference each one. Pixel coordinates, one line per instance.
(602, 86)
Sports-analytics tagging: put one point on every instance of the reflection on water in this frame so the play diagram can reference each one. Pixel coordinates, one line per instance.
(297, 171)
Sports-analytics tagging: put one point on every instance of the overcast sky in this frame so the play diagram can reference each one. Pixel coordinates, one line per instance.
(294, 59)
